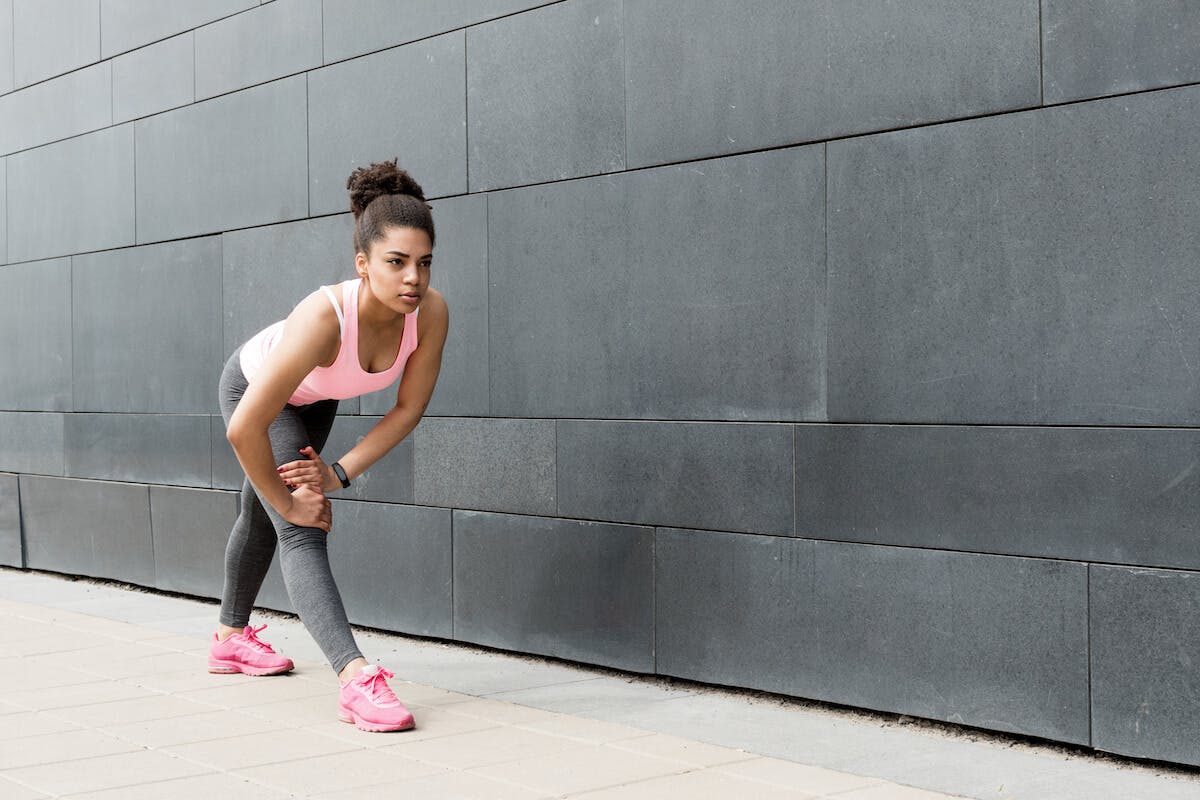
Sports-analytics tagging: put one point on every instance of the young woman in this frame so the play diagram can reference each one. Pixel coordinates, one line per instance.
(279, 393)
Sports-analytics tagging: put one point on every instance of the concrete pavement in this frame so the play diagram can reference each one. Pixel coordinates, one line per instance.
(106, 697)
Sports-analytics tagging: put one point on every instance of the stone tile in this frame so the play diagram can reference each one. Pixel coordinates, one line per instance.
(434, 149)
(460, 274)
(191, 528)
(51, 37)
(88, 528)
(456, 461)
(199, 787)
(49, 748)
(893, 791)
(1085, 494)
(87, 179)
(226, 471)
(695, 71)
(156, 78)
(497, 711)
(138, 448)
(459, 785)
(591, 731)
(201, 727)
(127, 24)
(69, 696)
(698, 785)
(978, 274)
(361, 768)
(682, 333)
(259, 291)
(582, 770)
(105, 772)
(15, 791)
(481, 748)
(711, 475)
(6, 35)
(1100, 47)
(393, 564)
(990, 641)
(817, 780)
(389, 480)
(511, 588)
(4, 194)
(354, 27)
(1143, 662)
(132, 710)
(246, 163)
(26, 724)
(10, 522)
(69, 105)
(265, 43)
(559, 70)
(239, 752)
(240, 693)
(33, 443)
(686, 751)
(36, 376)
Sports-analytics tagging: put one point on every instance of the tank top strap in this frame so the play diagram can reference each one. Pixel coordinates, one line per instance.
(337, 309)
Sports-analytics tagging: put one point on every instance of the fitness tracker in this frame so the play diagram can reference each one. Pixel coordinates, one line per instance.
(341, 474)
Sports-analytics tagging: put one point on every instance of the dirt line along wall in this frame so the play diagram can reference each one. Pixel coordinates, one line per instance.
(843, 350)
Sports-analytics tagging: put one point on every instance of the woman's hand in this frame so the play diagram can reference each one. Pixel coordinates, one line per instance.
(310, 471)
(309, 508)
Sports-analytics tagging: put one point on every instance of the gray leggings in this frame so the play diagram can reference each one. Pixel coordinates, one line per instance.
(303, 552)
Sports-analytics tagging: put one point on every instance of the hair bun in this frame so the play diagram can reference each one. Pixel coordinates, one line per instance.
(384, 177)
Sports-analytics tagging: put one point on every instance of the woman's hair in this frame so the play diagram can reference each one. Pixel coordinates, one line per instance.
(382, 196)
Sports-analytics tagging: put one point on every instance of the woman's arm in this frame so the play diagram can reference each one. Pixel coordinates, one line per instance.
(416, 387)
(310, 337)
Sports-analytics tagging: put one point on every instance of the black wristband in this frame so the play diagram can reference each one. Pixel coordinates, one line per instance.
(341, 474)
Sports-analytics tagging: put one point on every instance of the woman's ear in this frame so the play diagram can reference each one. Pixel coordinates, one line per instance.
(360, 264)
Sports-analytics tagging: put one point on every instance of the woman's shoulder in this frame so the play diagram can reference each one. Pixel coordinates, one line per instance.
(433, 314)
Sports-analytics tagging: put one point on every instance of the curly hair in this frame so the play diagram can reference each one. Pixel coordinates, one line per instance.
(381, 196)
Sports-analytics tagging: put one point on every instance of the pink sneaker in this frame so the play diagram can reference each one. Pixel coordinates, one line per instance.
(245, 652)
(370, 704)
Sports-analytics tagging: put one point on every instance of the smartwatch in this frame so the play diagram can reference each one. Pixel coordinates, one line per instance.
(341, 474)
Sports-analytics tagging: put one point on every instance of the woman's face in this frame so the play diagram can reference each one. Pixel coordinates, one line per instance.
(397, 268)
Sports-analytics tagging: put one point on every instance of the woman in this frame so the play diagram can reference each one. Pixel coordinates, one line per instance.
(279, 394)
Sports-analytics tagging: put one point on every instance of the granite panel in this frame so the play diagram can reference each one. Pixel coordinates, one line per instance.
(156, 78)
(421, 120)
(147, 328)
(1027, 268)
(10, 522)
(243, 158)
(558, 71)
(460, 274)
(260, 45)
(88, 528)
(126, 24)
(1087, 494)
(354, 27)
(485, 464)
(31, 443)
(36, 375)
(734, 477)
(389, 480)
(695, 81)
(190, 529)
(88, 180)
(988, 641)
(268, 270)
(75, 103)
(6, 35)
(139, 448)
(51, 37)
(663, 293)
(518, 585)
(1098, 47)
(393, 566)
(4, 208)
(1145, 646)
(226, 471)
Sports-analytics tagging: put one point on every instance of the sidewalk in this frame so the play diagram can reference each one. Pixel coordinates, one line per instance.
(106, 697)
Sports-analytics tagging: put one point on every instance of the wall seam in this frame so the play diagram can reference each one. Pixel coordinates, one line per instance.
(467, 110)
(625, 94)
(453, 580)
(1041, 55)
(1088, 617)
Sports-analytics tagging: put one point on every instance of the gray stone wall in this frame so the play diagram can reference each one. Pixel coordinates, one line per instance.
(844, 350)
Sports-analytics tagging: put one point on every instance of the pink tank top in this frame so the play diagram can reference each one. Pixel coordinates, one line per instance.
(345, 377)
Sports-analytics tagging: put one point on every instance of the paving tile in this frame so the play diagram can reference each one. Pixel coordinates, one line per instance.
(582, 770)
(188, 729)
(14, 791)
(240, 752)
(71, 695)
(296, 713)
(892, 791)
(674, 748)
(187, 681)
(200, 787)
(802, 776)
(700, 785)
(138, 709)
(590, 731)
(456, 785)
(53, 747)
(245, 690)
(483, 748)
(359, 768)
(498, 711)
(105, 772)
(24, 724)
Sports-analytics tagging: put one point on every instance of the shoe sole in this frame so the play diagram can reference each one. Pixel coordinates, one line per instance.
(374, 727)
(230, 668)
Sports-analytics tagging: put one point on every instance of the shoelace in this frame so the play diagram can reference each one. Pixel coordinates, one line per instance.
(376, 685)
(250, 637)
